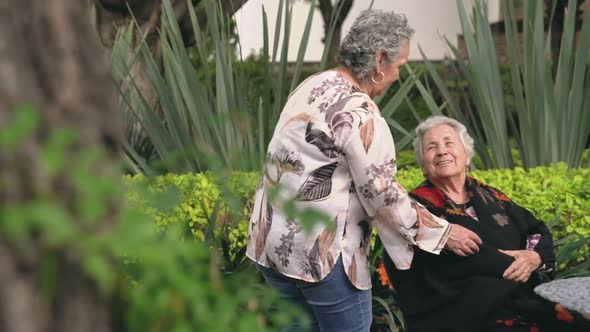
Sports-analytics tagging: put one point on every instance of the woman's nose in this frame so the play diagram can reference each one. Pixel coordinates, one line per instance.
(441, 150)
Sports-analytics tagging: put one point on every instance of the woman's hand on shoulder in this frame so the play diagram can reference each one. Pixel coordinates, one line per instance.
(525, 262)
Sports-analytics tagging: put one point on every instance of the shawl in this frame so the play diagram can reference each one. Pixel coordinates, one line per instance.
(453, 293)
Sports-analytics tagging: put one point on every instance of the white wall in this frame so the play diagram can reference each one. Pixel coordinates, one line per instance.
(432, 19)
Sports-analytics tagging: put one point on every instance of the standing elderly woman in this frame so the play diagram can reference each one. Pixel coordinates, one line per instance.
(491, 290)
(332, 152)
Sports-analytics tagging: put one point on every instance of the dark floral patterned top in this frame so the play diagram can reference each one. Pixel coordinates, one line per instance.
(333, 152)
(454, 293)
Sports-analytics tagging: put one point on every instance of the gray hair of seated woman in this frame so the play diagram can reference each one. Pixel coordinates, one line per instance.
(435, 121)
(372, 31)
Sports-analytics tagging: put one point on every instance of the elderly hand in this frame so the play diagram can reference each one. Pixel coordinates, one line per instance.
(525, 262)
(462, 241)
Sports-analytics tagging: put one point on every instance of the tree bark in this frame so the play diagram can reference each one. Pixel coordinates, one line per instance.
(327, 10)
(111, 15)
(51, 58)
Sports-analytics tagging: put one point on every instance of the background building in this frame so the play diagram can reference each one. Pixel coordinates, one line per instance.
(432, 19)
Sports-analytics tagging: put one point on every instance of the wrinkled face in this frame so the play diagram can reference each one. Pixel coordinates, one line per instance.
(443, 154)
(391, 70)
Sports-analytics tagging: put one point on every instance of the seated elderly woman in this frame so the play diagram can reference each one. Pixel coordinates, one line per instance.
(493, 289)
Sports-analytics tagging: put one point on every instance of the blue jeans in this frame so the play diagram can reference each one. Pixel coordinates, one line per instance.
(333, 303)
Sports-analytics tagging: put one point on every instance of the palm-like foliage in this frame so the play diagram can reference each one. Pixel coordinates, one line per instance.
(195, 121)
(551, 121)
(208, 121)
(199, 124)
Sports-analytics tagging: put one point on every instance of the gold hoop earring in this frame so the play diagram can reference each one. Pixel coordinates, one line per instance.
(381, 80)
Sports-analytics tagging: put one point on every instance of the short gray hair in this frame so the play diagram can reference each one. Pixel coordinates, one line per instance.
(372, 31)
(438, 120)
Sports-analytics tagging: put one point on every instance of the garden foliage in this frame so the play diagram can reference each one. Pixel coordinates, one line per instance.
(216, 114)
(155, 280)
(546, 107)
(211, 112)
(555, 194)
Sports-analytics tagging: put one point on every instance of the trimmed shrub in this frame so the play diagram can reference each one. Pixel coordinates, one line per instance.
(555, 194)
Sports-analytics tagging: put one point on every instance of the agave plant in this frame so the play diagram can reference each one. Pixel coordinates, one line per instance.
(207, 121)
(201, 123)
(189, 125)
(551, 121)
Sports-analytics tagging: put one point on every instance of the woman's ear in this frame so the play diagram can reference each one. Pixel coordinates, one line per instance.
(380, 59)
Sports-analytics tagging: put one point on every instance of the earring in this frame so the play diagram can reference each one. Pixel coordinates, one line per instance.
(382, 77)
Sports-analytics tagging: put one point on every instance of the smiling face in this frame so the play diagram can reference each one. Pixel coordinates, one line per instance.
(443, 154)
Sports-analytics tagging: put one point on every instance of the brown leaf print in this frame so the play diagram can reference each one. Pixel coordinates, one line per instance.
(318, 185)
(300, 117)
(263, 227)
(313, 260)
(340, 119)
(367, 132)
(319, 138)
(283, 161)
(325, 241)
(330, 262)
(341, 126)
(352, 270)
(319, 253)
(425, 218)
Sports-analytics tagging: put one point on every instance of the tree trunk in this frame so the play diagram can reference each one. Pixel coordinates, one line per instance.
(51, 58)
(327, 10)
(111, 15)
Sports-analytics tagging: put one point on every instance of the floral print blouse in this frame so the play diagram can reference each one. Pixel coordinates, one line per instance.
(332, 152)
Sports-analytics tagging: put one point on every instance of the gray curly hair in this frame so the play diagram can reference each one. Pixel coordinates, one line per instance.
(435, 121)
(372, 31)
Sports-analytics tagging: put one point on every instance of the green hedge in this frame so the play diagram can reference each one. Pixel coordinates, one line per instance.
(546, 191)
(554, 193)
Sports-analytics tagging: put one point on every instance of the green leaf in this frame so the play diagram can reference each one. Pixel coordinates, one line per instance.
(24, 122)
(98, 267)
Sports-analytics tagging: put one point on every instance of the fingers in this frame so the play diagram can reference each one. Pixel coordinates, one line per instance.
(520, 270)
(511, 272)
(464, 248)
(512, 253)
(470, 247)
(520, 274)
(459, 252)
(462, 241)
(475, 238)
